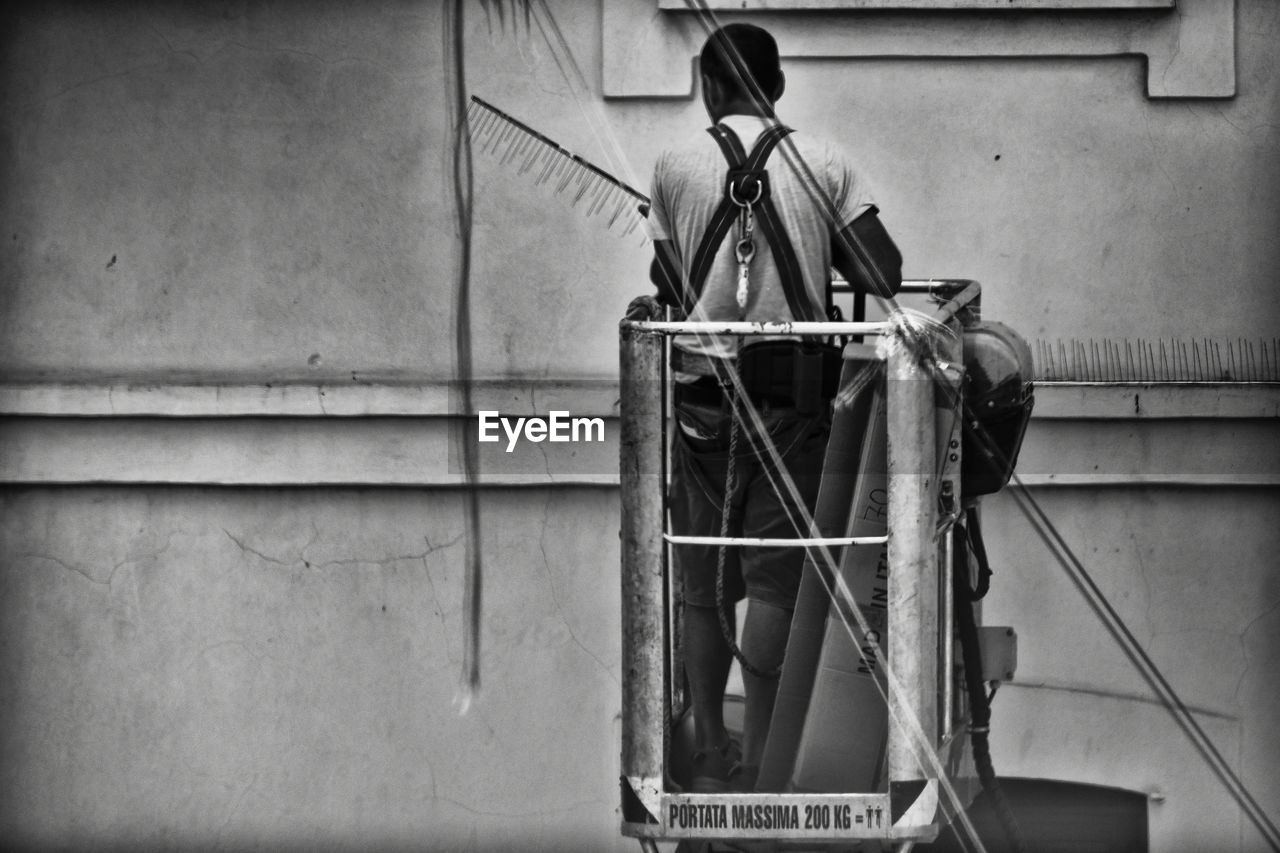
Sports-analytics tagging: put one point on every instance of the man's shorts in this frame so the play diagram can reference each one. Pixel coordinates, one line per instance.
(762, 506)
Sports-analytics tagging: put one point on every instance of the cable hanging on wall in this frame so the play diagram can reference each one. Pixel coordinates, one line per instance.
(455, 73)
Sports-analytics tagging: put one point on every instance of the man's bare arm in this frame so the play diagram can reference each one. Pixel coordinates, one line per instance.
(665, 273)
(866, 256)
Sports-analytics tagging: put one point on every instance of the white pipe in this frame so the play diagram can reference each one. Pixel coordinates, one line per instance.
(775, 543)
(744, 327)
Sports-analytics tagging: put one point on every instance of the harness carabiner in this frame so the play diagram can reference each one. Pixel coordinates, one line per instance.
(744, 250)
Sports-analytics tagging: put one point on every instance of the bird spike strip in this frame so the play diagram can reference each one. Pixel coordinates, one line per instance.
(498, 134)
(1106, 360)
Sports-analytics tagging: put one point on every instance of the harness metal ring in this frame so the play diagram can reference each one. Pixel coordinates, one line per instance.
(733, 194)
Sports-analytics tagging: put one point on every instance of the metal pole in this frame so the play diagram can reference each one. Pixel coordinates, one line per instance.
(946, 669)
(949, 391)
(913, 569)
(641, 477)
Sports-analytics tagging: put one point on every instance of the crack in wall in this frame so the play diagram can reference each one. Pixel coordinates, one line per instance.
(546, 461)
(88, 575)
(555, 597)
(74, 87)
(316, 57)
(1141, 565)
(234, 808)
(451, 660)
(574, 808)
(155, 31)
(1173, 54)
(244, 645)
(260, 555)
(1244, 646)
(302, 560)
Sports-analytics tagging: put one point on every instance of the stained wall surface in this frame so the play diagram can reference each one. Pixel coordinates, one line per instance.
(232, 546)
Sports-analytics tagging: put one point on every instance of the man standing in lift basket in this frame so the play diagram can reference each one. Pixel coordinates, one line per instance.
(809, 210)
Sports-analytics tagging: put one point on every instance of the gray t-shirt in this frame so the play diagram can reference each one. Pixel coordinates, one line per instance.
(688, 185)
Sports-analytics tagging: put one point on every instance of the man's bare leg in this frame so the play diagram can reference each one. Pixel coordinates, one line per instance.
(707, 660)
(764, 643)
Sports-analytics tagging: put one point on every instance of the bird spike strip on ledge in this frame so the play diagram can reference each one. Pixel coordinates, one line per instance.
(1157, 361)
(497, 133)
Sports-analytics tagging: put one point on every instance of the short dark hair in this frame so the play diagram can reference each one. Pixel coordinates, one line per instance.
(737, 53)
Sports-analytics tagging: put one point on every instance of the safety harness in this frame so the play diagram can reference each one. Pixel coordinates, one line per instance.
(747, 200)
(781, 373)
(803, 375)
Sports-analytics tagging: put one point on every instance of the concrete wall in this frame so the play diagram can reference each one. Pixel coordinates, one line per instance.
(226, 297)
(204, 668)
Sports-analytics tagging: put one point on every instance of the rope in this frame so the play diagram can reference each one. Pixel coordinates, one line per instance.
(730, 485)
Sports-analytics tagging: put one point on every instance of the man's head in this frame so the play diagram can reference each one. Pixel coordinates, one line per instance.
(740, 70)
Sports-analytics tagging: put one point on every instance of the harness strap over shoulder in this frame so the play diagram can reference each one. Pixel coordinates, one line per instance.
(747, 180)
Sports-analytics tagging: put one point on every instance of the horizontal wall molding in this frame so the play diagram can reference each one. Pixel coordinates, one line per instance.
(230, 397)
(1240, 480)
(648, 48)
(1154, 401)
(331, 396)
(278, 451)
(406, 434)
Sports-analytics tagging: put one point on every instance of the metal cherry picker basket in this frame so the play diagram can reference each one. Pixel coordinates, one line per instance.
(923, 774)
